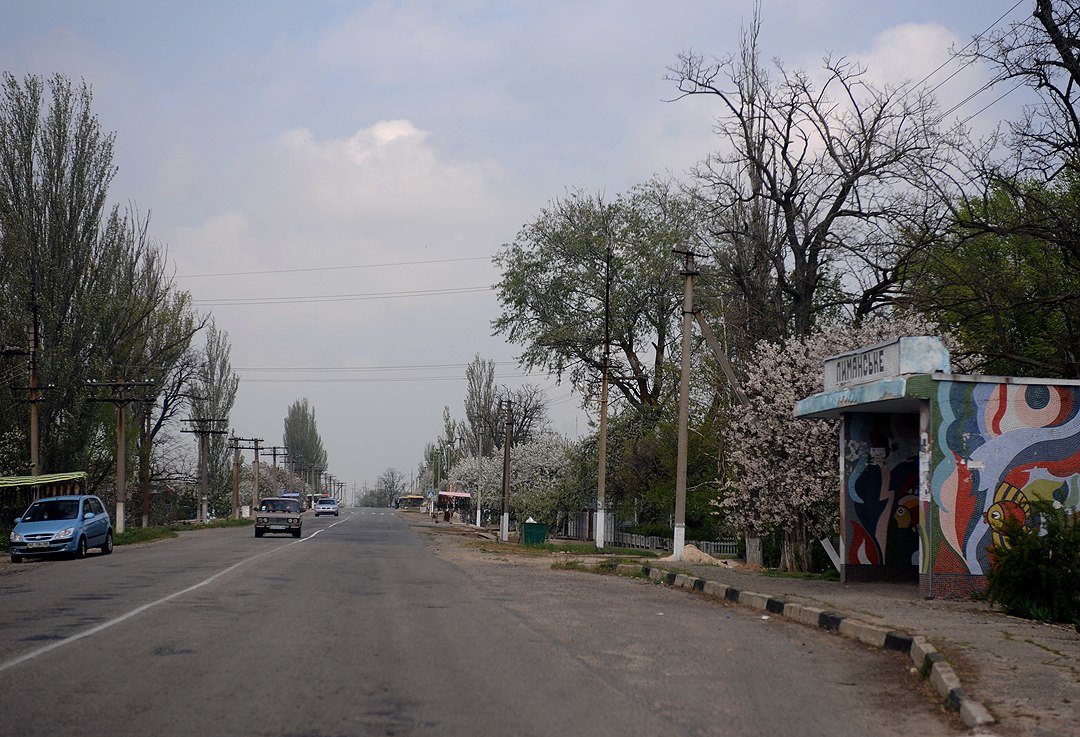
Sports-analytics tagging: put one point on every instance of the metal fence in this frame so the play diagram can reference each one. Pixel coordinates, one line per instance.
(578, 529)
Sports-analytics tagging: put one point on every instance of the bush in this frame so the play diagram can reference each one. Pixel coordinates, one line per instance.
(1036, 574)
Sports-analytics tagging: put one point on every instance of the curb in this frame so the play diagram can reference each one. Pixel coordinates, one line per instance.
(929, 662)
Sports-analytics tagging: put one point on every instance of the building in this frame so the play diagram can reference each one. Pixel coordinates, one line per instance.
(932, 463)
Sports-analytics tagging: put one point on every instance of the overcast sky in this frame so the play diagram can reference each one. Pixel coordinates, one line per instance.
(386, 149)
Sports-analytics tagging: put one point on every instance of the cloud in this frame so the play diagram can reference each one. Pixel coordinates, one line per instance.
(922, 53)
(375, 184)
(392, 42)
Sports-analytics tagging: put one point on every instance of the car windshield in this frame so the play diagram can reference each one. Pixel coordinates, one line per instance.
(280, 505)
(326, 502)
(52, 509)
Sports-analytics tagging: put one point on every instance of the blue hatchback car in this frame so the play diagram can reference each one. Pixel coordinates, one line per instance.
(62, 525)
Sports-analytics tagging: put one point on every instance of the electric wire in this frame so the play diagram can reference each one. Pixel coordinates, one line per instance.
(314, 299)
(956, 55)
(335, 268)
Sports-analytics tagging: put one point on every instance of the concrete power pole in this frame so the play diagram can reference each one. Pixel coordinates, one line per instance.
(504, 524)
(601, 446)
(254, 474)
(689, 272)
(204, 427)
(35, 467)
(121, 399)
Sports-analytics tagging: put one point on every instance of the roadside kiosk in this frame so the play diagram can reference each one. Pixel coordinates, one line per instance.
(932, 463)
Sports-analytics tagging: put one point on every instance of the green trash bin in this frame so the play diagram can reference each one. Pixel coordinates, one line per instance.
(534, 533)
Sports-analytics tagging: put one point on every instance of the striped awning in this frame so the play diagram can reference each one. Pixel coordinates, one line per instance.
(45, 478)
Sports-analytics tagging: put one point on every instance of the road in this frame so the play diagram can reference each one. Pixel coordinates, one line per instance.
(376, 624)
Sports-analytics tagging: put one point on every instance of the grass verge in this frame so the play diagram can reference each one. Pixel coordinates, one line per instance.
(135, 535)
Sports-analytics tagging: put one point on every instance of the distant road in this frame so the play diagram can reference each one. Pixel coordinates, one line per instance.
(375, 624)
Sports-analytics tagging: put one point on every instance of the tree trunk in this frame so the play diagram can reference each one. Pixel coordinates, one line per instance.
(753, 550)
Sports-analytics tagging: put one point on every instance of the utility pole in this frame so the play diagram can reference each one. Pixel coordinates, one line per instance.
(254, 474)
(204, 427)
(236, 474)
(35, 466)
(479, 470)
(148, 416)
(601, 446)
(120, 398)
(504, 524)
(34, 397)
(689, 272)
(274, 455)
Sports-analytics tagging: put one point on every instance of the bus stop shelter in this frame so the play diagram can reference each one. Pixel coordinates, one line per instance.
(932, 463)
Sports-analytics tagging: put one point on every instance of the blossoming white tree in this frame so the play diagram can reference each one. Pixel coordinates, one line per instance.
(783, 473)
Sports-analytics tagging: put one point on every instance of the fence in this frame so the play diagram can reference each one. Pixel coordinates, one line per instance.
(578, 529)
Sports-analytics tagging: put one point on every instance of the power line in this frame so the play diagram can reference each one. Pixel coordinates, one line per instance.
(413, 367)
(995, 101)
(370, 380)
(967, 46)
(239, 301)
(336, 268)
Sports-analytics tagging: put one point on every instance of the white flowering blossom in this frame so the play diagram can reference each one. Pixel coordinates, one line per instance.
(537, 471)
(784, 472)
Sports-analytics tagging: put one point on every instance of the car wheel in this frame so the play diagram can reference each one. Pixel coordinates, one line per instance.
(296, 533)
(108, 546)
(258, 533)
(80, 549)
(16, 558)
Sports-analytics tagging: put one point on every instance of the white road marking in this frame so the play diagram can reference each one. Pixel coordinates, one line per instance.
(140, 609)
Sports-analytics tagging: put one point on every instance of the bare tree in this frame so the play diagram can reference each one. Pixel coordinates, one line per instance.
(816, 197)
(1037, 159)
(390, 483)
(530, 413)
(214, 394)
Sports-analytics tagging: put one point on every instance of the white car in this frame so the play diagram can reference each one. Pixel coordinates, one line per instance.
(326, 505)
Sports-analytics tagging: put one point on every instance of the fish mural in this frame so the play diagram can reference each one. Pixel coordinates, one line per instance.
(1000, 446)
(1010, 504)
(907, 512)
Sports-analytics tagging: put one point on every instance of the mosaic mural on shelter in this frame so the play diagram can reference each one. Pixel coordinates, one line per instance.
(998, 447)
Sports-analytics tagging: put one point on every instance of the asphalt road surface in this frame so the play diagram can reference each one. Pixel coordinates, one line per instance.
(375, 624)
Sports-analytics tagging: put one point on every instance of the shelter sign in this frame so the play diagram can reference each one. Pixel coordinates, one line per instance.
(908, 355)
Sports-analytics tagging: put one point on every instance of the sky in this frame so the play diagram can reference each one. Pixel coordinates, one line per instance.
(330, 179)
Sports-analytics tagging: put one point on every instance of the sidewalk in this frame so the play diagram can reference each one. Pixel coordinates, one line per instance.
(1026, 674)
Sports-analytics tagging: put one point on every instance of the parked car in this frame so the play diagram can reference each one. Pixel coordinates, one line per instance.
(326, 505)
(60, 525)
(279, 515)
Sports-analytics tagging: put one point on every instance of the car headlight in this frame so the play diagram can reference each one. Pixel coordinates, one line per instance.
(262, 520)
(66, 532)
(293, 520)
(16, 537)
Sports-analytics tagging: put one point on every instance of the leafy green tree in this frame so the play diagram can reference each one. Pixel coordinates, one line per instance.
(1011, 297)
(481, 405)
(302, 437)
(587, 266)
(90, 279)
